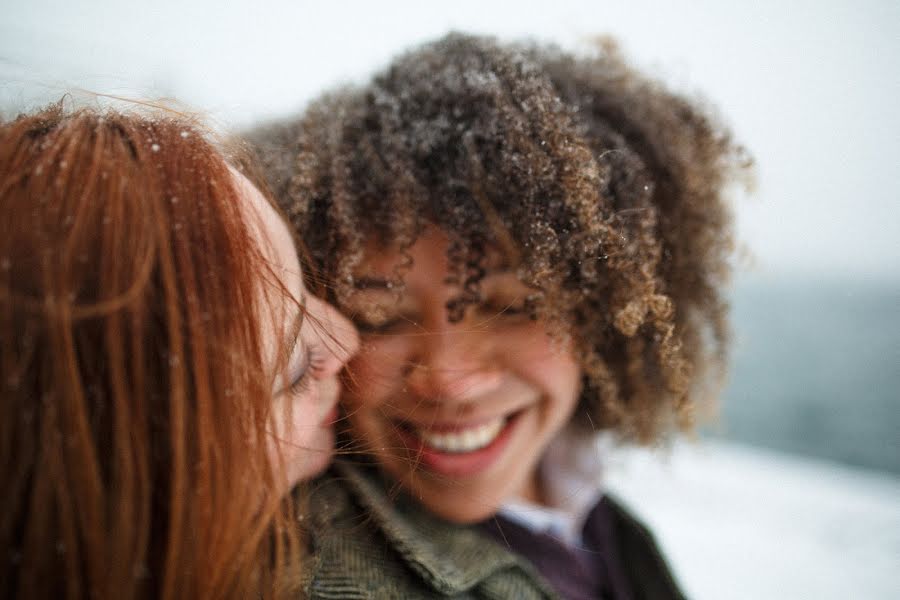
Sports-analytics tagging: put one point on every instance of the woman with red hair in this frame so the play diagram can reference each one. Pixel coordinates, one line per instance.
(166, 377)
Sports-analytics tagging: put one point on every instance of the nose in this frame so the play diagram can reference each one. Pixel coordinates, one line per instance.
(452, 365)
(338, 336)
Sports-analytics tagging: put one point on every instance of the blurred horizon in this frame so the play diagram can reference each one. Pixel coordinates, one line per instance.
(814, 370)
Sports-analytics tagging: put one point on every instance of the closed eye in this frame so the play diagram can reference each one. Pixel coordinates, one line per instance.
(389, 325)
(313, 365)
(510, 308)
(501, 307)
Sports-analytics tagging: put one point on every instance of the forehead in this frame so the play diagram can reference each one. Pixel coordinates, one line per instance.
(430, 255)
(268, 228)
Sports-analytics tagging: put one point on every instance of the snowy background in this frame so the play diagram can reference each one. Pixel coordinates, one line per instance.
(796, 493)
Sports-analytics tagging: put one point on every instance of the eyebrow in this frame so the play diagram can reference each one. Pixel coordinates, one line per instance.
(369, 282)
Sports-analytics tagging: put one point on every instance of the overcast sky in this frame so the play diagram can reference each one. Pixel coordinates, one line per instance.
(810, 87)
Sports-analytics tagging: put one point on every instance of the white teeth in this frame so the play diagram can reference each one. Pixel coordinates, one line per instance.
(466, 440)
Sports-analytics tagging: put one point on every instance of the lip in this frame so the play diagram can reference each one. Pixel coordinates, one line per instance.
(457, 464)
(331, 417)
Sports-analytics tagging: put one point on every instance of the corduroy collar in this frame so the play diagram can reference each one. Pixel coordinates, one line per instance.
(450, 558)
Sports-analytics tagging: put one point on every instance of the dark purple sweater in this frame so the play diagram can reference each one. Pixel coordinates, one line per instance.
(588, 572)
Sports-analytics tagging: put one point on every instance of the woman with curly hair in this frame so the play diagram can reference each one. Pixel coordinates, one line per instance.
(533, 246)
(166, 378)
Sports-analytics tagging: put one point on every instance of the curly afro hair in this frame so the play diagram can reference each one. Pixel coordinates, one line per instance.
(603, 189)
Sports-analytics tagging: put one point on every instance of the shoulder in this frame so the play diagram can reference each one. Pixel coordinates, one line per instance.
(371, 541)
(643, 563)
(353, 559)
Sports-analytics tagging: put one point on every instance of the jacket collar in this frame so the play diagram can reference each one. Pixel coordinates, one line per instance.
(449, 557)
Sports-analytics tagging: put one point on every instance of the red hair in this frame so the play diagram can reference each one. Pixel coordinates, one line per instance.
(134, 400)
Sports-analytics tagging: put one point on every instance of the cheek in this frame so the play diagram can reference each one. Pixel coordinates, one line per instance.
(375, 373)
(548, 363)
(367, 388)
(558, 373)
(300, 440)
(295, 422)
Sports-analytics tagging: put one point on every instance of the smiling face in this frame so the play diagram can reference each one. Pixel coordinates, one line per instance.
(459, 413)
(304, 348)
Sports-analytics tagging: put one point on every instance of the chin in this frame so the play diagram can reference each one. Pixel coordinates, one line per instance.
(312, 464)
(314, 460)
(462, 517)
(461, 506)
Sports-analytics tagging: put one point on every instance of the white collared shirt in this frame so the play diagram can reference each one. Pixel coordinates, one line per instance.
(571, 472)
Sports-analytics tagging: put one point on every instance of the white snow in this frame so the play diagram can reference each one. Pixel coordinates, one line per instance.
(743, 523)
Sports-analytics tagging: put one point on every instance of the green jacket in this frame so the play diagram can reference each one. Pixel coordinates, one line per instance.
(372, 541)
